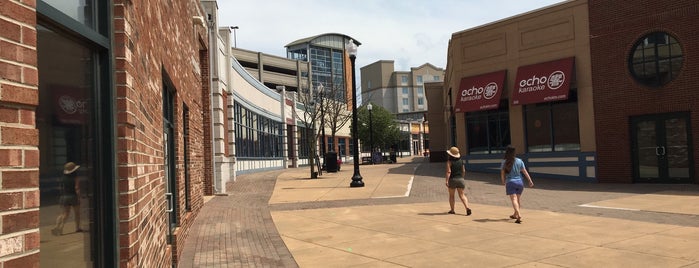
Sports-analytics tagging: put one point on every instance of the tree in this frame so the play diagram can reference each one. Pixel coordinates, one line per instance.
(310, 114)
(336, 112)
(384, 126)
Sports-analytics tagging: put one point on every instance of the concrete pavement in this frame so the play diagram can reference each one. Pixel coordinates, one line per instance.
(399, 219)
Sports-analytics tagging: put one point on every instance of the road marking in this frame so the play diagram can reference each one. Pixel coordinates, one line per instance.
(593, 206)
(407, 192)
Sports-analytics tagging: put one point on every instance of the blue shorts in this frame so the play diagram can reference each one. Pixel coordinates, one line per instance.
(514, 187)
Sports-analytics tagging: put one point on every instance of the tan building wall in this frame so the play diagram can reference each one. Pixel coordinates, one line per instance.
(552, 33)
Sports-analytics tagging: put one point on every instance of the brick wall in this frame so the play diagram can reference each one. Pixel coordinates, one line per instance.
(615, 26)
(153, 37)
(206, 106)
(19, 153)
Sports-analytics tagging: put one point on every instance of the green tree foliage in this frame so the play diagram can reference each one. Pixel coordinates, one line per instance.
(385, 129)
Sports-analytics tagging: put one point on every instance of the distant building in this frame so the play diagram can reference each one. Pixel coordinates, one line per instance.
(403, 94)
(273, 71)
(329, 67)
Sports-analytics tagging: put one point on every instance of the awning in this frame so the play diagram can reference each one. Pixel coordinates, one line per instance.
(543, 82)
(481, 92)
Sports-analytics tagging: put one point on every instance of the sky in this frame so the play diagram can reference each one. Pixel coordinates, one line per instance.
(409, 32)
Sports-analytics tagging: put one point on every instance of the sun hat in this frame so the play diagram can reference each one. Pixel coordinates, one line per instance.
(454, 152)
(70, 167)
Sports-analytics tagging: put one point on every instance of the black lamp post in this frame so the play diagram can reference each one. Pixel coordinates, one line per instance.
(321, 98)
(371, 133)
(356, 178)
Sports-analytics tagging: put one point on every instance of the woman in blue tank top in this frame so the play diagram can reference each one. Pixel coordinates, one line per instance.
(511, 171)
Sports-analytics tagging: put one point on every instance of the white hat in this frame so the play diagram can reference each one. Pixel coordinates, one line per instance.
(454, 152)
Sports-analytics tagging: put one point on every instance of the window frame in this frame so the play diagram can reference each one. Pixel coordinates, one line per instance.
(657, 62)
(550, 108)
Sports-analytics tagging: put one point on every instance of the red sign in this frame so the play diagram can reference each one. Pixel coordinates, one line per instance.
(70, 105)
(481, 92)
(543, 82)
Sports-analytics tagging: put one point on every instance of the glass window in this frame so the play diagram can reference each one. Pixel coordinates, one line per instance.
(488, 132)
(405, 91)
(304, 141)
(69, 201)
(330, 144)
(341, 144)
(420, 90)
(258, 136)
(419, 79)
(436, 78)
(656, 59)
(404, 79)
(553, 126)
(81, 10)
(405, 101)
(406, 110)
(420, 101)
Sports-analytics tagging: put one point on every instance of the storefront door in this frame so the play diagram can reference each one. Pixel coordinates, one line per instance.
(661, 150)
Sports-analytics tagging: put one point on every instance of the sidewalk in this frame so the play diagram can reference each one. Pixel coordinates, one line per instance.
(325, 223)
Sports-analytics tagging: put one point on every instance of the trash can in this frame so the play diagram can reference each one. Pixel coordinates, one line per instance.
(331, 162)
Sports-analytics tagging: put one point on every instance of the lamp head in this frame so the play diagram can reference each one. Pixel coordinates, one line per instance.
(351, 48)
(369, 107)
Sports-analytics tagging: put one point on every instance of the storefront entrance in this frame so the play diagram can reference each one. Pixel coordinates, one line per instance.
(661, 149)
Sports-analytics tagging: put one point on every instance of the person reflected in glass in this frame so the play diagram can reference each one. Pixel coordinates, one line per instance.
(69, 198)
(511, 170)
(455, 180)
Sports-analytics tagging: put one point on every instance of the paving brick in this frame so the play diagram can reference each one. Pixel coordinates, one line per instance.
(237, 230)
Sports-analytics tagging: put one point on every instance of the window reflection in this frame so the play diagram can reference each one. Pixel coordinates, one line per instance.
(81, 10)
(64, 121)
(553, 126)
(488, 132)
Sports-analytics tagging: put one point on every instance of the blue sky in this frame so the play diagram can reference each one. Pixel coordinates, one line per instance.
(409, 32)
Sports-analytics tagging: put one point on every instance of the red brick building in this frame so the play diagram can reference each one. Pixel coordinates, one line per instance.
(118, 88)
(645, 61)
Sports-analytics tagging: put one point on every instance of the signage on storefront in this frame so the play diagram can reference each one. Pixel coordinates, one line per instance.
(543, 82)
(481, 92)
(70, 106)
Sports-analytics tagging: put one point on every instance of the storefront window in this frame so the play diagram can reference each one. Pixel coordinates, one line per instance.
(256, 135)
(67, 145)
(488, 132)
(553, 126)
(656, 59)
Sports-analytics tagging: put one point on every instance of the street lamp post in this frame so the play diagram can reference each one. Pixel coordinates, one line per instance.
(235, 39)
(371, 133)
(356, 178)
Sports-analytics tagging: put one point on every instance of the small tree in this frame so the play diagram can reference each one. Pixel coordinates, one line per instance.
(336, 111)
(385, 129)
(310, 113)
